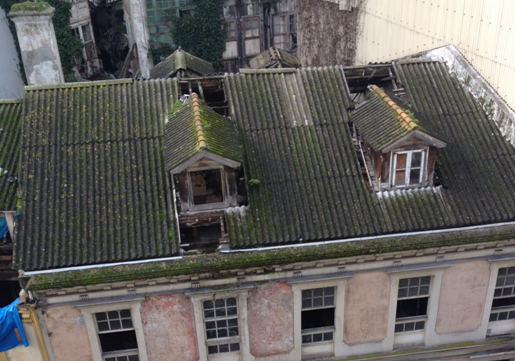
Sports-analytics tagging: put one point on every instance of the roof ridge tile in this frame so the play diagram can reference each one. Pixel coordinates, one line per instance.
(405, 120)
(201, 138)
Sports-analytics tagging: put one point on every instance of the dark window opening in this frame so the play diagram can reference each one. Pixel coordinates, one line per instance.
(206, 186)
(118, 341)
(205, 239)
(412, 307)
(503, 302)
(317, 318)
(9, 291)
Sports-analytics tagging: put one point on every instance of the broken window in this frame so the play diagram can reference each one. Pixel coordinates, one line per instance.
(117, 336)
(412, 300)
(503, 303)
(285, 31)
(408, 168)
(317, 318)
(221, 323)
(206, 186)
(252, 42)
(231, 30)
(86, 33)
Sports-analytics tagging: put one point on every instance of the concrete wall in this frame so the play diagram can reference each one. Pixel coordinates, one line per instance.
(68, 334)
(367, 297)
(168, 327)
(462, 297)
(271, 319)
(11, 83)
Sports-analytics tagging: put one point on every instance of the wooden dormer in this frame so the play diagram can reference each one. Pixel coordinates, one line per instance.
(203, 157)
(401, 153)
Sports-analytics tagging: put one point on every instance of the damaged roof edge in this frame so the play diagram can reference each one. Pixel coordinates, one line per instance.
(487, 97)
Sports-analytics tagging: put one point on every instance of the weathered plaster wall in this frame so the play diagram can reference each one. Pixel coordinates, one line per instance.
(11, 83)
(168, 327)
(68, 334)
(270, 312)
(367, 298)
(462, 297)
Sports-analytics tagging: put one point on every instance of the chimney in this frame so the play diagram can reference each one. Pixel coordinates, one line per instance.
(38, 45)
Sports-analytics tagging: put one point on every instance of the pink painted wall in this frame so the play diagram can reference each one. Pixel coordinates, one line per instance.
(270, 312)
(168, 327)
(68, 334)
(367, 297)
(462, 297)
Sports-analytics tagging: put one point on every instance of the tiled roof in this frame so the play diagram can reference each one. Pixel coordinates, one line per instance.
(308, 184)
(196, 128)
(382, 123)
(10, 128)
(92, 173)
(478, 165)
(181, 60)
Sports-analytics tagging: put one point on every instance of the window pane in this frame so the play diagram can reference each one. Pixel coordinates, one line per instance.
(317, 292)
(416, 159)
(317, 318)
(403, 282)
(231, 30)
(209, 313)
(318, 302)
(503, 302)
(399, 327)
(235, 347)
(424, 290)
(127, 323)
(409, 326)
(329, 291)
(220, 303)
(403, 292)
(306, 339)
(493, 317)
(329, 301)
(503, 316)
(101, 316)
(223, 348)
(113, 315)
(306, 294)
(220, 312)
(212, 349)
(317, 337)
(133, 358)
(118, 341)
(222, 332)
(419, 325)
(400, 178)
(208, 304)
(210, 334)
(412, 307)
(425, 280)
(401, 161)
(328, 336)
(115, 324)
(231, 301)
(103, 326)
(306, 303)
(232, 311)
(414, 176)
(125, 313)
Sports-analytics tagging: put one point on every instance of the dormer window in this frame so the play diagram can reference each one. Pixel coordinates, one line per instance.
(408, 168)
(399, 152)
(203, 159)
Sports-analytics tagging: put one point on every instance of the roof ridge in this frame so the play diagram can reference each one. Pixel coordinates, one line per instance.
(201, 139)
(405, 120)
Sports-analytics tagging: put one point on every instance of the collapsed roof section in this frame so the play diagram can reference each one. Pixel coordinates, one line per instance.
(274, 58)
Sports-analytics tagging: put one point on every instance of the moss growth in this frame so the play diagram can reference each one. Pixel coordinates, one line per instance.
(265, 258)
(28, 6)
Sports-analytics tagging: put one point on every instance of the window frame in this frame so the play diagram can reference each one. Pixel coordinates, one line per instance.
(407, 169)
(323, 348)
(235, 37)
(288, 31)
(319, 330)
(88, 313)
(250, 18)
(502, 326)
(207, 206)
(428, 334)
(510, 310)
(415, 320)
(197, 300)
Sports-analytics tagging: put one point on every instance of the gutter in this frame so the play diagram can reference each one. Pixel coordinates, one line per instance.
(102, 265)
(346, 240)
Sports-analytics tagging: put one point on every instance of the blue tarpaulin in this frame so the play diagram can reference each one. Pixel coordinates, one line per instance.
(3, 226)
(11, 329)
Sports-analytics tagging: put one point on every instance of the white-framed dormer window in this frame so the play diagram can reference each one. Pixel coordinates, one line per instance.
(206, 186)
(221, 325)
(115, 331)
(408, 168)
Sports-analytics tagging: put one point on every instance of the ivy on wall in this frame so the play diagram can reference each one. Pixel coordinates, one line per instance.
(70, 47)
(202, 32)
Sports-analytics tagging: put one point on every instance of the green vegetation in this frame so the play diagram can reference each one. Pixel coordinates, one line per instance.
(70, 47)
(203, 32)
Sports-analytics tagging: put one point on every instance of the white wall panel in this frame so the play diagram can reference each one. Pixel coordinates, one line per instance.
(483, 30)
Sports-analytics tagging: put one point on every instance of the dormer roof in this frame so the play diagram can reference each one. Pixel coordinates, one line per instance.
(179, 60)
(195, 131)
(385, 125)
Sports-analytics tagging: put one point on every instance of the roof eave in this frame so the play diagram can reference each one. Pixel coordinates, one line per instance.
(205, 154)
(415, 134)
